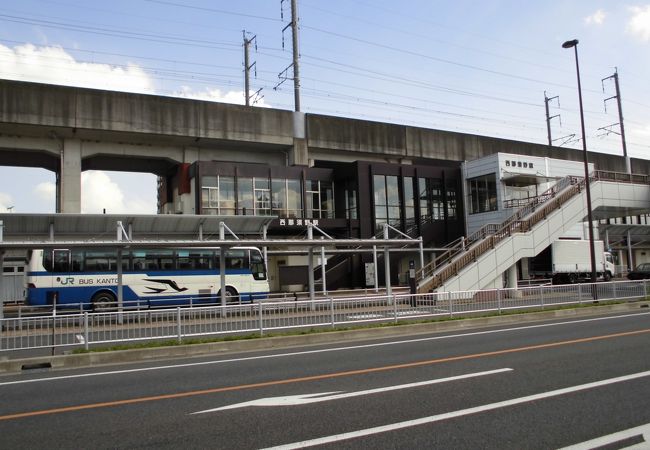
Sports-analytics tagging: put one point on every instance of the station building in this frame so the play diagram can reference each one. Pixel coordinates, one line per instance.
(348, 177)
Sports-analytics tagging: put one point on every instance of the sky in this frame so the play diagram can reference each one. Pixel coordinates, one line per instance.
(473, 67)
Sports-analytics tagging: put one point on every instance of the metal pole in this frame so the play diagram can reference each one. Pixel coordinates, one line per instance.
(630, 265)
(574, 44)
(222, 274)
(246, 70)
(2, 275)
(265, 249)
(222, 264)
(296, 54)
(178, 324)
(421, 253)
(323, 268)
(86, 333)
(628, 165)
(548, 121)
(374, 266)
(310, 263)
(120, 291)
(389, 290)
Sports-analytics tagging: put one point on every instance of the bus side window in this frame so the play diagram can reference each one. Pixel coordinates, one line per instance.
(61, 261)
(47, 260)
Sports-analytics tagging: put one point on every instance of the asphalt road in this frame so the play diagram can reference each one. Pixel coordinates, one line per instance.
(544, 385)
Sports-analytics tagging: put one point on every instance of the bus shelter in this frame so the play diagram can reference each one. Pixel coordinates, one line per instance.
(35, 231)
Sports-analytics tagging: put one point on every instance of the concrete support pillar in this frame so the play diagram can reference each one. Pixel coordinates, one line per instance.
(512, 276)
(299, 154)
(69, 177)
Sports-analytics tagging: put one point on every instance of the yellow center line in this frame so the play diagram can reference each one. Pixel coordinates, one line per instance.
(316, 377)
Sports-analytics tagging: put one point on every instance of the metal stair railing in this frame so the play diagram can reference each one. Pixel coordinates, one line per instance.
(463, 243)
(412, 231)
(483, 240)
(520, 222)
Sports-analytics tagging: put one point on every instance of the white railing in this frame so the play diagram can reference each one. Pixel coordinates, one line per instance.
(84, 329)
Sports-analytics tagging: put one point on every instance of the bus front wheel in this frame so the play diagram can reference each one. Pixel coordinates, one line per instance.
(103, 301)
(231, 295)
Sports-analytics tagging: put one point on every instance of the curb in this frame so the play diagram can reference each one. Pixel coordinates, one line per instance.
(93, 359)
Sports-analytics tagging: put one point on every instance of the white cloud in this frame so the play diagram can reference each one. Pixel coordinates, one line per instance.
(216, 95)
(99, 192)
(5, 202)
(45, 191)
(52, 64)
(639, 24)
(596, 18)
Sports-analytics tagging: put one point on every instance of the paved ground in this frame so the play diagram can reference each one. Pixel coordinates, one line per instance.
(461, 389)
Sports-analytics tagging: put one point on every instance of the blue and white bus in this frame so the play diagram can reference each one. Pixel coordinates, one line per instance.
(150, 277)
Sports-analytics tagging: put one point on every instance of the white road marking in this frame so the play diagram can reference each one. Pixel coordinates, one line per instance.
(459, 413)
(304, 399)
(308, 352)
(643, 432)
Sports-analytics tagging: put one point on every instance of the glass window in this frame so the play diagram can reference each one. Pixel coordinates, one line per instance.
(294, 198)
(452, 203)
(483, 194)
(245, 197)
(61, 261)
(437, 201)
(327, 199)
(425, 204)
(319, 199)
(350, 203)
(209, 195)
(262, 197)
(227, 195)
(279, 197)
(409, 202)
(387, 204)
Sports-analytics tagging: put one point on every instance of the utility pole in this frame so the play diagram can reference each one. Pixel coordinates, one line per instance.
(548, 116)
(628, 166)
(565, 139)
(247, 68)
(296, 53)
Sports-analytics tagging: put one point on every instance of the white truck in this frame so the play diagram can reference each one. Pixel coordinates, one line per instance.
(572, 261)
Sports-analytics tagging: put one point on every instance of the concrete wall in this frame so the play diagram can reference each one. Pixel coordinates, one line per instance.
(91, 109)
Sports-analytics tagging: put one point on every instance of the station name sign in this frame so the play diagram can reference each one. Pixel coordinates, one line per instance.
(519, 164)
(297, 222)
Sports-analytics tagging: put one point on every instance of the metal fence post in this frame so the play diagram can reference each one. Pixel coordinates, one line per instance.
(86, 333)
(394, 307)
(332, 310)
(259, 308)
(579, 294)
(451, 305)
(178, 324)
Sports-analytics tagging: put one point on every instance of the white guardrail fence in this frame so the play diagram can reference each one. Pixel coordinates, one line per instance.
(70, 329)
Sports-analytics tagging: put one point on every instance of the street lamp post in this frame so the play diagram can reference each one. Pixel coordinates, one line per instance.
(574, 44)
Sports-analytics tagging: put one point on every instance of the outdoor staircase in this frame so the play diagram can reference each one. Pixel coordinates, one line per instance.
(527, 232)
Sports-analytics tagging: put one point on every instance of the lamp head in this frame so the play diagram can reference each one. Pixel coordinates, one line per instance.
(569, 44)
